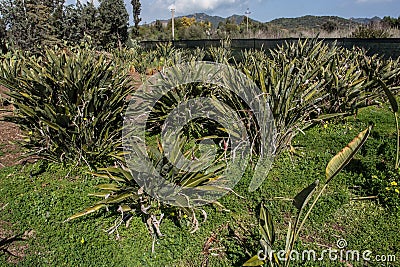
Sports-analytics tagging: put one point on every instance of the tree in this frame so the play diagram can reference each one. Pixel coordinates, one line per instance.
(113, 22)
(228, 28)
(137, 8)
(90, 23)
(187, 22)
(81, 21)
(31, 23)
(45, 21)
(3, 36)
(329, 26)
(158, 25)
(14, 17)
(391, 22)
(72, 30)
(370, 31)
(194, 31)
(57, 19)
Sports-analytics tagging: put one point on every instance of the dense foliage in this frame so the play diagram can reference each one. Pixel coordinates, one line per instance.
(69, 103)
(30, 25)
(310, 80)
(370, 31)
(137, 7)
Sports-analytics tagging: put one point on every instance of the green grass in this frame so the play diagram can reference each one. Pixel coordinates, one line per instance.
(39, 198)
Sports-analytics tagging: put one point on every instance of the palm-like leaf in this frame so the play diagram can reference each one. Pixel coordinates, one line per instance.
(339, 161)
(266, 225)
(71, 103)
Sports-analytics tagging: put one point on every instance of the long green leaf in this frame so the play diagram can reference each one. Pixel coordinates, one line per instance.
(266, 225)
(289, 237)
(390, 96)
(302, 198)
(341, 159)
(395, 108)
(119, 198)
(111, 187)
(398, 141)
(86, 212)
(254, 261)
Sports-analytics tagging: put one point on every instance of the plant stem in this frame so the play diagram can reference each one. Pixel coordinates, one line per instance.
(292, 240)
(398, 141)
(308, 212)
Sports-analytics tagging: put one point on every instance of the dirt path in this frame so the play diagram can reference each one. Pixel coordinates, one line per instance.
(9, 134)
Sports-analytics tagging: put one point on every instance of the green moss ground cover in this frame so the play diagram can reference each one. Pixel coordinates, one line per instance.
(35, 199)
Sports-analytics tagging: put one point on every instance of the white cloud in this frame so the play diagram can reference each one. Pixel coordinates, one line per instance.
(189, 6)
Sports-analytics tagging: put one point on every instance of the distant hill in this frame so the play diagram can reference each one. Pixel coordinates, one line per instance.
(308, 22)
(366, 20)
(215, 20)
(311, 22)
(239, 18)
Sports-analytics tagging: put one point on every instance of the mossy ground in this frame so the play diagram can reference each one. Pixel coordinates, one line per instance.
(35, 199)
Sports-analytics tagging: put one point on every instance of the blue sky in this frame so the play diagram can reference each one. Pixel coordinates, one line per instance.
(267, 10)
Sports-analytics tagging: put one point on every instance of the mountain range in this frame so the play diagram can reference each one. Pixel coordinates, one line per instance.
(307, 21)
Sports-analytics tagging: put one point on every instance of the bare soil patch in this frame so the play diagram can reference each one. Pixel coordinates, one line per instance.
(9, 134)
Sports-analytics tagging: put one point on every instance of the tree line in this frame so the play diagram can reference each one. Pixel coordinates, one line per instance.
(188, 28)
(34, 24)
(391, 22)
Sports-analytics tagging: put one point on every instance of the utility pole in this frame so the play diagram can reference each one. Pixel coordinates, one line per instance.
(173, 23)
(247, 20)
